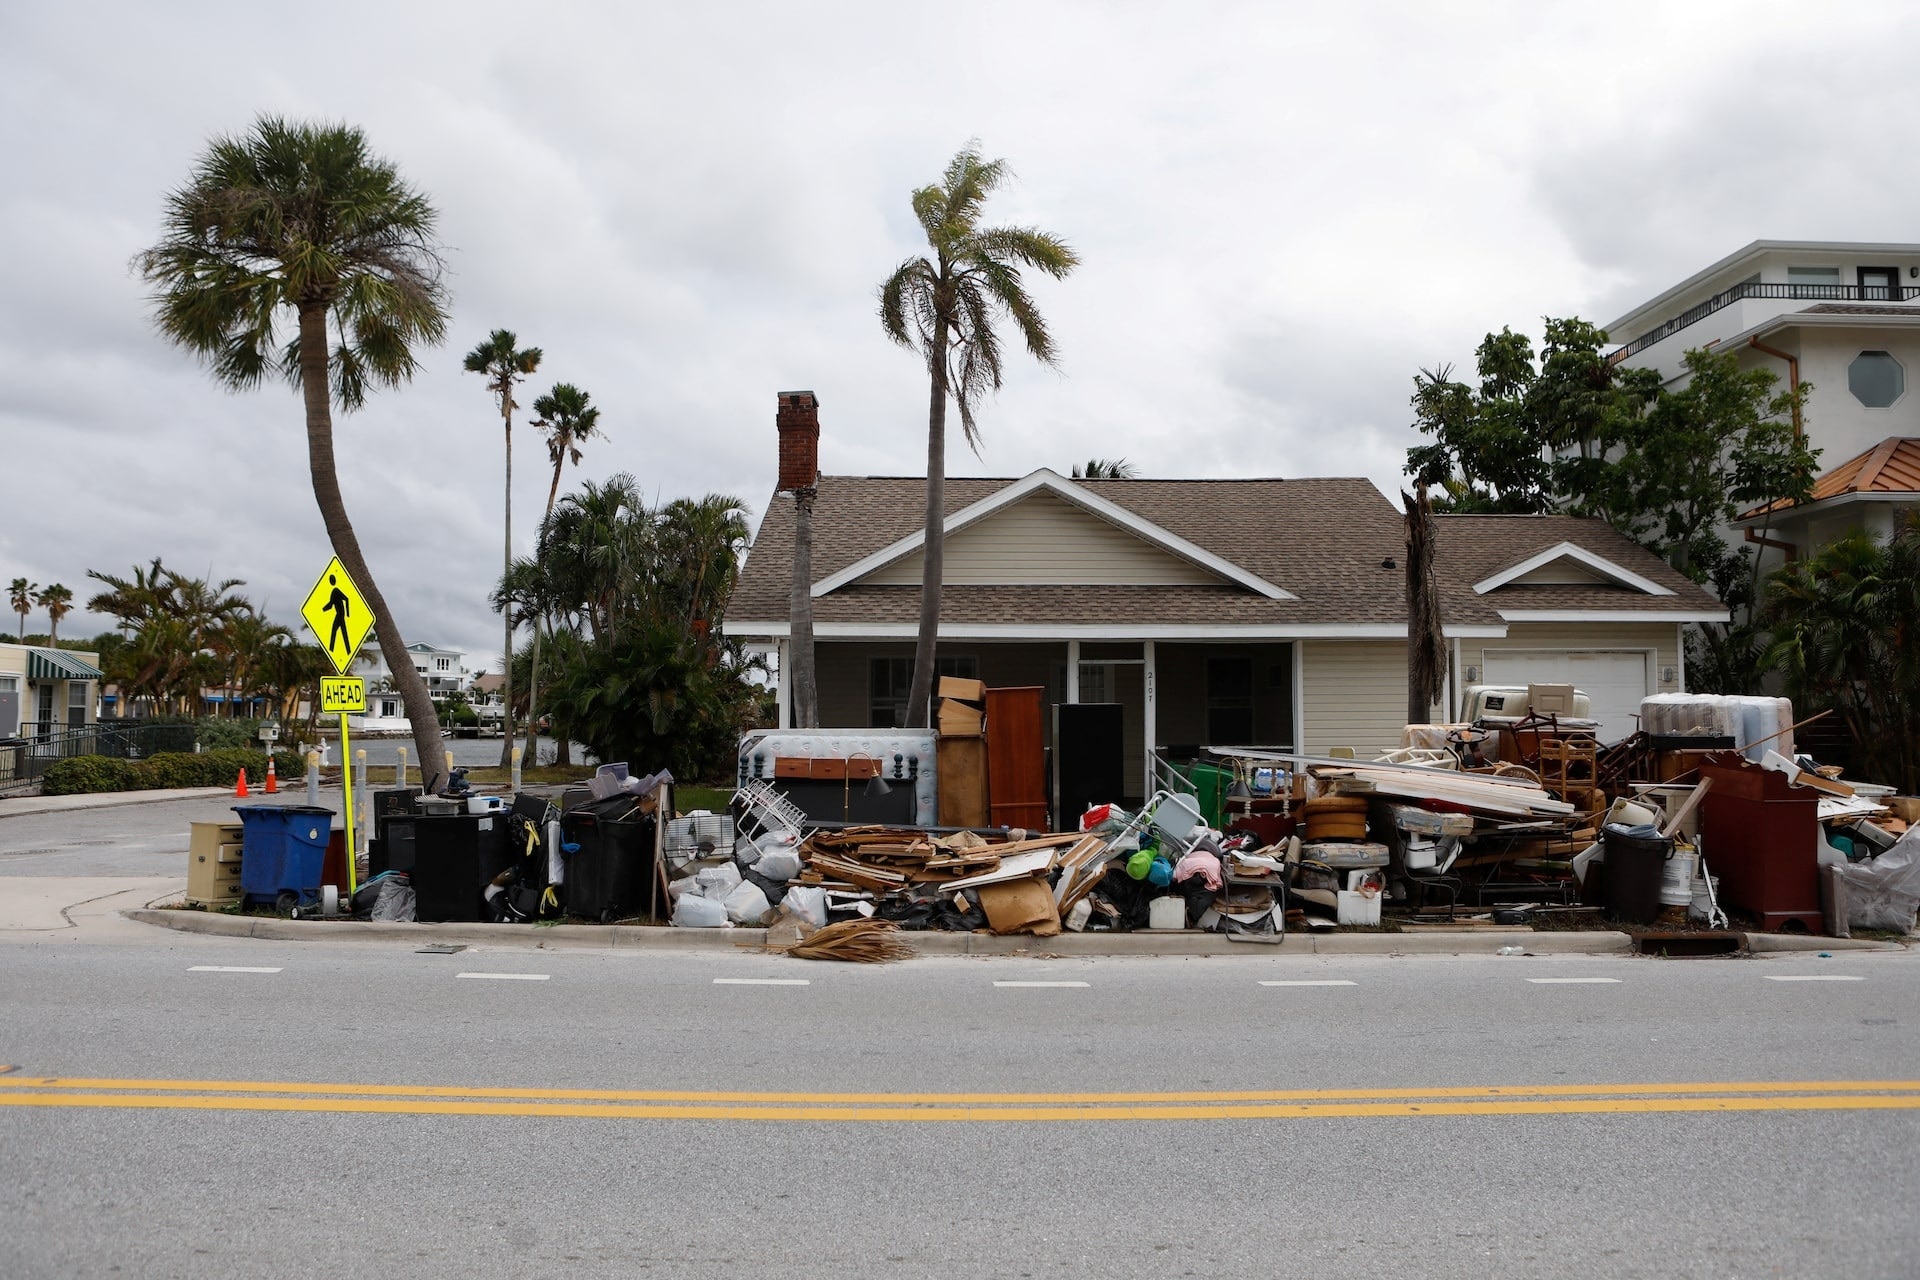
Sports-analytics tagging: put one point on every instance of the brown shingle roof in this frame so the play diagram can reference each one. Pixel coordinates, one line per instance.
(1322, 539)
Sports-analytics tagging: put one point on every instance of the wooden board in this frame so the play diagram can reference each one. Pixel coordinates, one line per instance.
(962, 779)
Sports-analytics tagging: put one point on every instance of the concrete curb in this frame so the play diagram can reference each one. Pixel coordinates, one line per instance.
(1783, 943)
(621, 937)
(26, 806)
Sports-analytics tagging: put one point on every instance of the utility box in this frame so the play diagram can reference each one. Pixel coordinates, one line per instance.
(213, 863)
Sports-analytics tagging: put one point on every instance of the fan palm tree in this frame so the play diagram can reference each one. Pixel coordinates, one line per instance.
(301, 222)
(566, 418)
(1106, 469)
(20, 594)
(58, 602)
(945, 307)
(505, 362)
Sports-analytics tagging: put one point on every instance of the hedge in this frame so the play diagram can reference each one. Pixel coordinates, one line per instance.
(78, 775)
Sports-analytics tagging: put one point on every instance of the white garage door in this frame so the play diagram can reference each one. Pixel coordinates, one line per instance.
(1614, 680)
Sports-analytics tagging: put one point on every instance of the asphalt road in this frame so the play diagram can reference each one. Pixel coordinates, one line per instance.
(191, 1169)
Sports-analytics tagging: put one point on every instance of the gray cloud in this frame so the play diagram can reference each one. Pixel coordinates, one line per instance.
(1282, 214)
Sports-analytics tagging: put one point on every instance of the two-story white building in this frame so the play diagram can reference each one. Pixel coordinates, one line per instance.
(1843, 317)
(442, 669)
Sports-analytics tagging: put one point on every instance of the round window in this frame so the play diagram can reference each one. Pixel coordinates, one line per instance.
(1876, 379)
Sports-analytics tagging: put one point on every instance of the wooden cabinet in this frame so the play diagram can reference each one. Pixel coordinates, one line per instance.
(213, 863)
(1016, 758)
(962, 781)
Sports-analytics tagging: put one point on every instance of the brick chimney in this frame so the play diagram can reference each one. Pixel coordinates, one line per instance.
(799, 422)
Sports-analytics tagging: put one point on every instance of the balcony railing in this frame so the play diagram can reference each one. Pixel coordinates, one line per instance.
(1801, 292)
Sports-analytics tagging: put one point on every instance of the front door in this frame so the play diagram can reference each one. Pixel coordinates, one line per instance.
(1880, 284)
(44, 709)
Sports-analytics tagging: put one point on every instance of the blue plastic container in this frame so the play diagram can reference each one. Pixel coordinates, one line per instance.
(283, 850)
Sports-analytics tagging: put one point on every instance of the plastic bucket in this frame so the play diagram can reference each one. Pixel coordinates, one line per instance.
(1700, 904)
(1676, 886)
(1636, 865)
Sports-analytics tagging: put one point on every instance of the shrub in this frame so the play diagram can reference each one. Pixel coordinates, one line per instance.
(166, 770)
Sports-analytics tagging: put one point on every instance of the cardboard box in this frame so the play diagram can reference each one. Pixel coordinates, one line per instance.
(1020, 906)
(957, 719)
(974, 691)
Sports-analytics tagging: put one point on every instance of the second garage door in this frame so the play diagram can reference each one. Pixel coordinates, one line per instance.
(1614, 679)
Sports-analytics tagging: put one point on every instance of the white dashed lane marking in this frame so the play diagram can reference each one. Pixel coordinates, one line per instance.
(1042, 984)
(229, 968)
(1309, 982)
(509, 977)
(762, 982)
(1813, 977)
(1573, 982)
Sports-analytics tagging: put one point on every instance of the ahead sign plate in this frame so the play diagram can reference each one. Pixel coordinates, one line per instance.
(343, 693)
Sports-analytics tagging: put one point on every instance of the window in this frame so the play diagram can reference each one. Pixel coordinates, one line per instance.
(1879, 284)
(890, 682)
(1229, 701)
(77, 703)
(442, 664)
(1814, 282)
(1876, 379)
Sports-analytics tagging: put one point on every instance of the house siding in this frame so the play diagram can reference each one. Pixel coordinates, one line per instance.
(1661, 637)
(1042, 540)
(1353, 694)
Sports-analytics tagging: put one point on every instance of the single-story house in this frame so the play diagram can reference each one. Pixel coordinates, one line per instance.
(45, 690)
(1258, 612)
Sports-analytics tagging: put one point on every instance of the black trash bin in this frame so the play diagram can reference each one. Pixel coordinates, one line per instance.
(611, 874)
(455, 858)
(1636, 864)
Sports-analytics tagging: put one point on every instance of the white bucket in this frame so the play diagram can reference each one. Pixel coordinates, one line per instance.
(1676, 886)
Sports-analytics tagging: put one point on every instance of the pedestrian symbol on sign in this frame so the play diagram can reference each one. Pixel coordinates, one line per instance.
(338, 615)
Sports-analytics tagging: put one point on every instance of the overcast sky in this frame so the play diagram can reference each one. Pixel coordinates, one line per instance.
(1283, 211)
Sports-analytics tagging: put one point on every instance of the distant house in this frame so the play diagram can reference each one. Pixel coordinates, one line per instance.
(1227, 612)
(441, 668)
(1841, 316)
(44, 690)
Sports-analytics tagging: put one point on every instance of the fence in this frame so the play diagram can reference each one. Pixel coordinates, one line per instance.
(24, 760)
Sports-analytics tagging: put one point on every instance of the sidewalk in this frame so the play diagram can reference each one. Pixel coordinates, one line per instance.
(23, 806)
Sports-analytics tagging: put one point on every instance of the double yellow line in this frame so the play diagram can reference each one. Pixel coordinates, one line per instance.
(1277, 1104)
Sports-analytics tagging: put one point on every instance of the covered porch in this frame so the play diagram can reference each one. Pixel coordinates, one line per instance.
(1175, 695)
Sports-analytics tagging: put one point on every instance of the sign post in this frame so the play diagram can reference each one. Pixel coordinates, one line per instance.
(336, 610)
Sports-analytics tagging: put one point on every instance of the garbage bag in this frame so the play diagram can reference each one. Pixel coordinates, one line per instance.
(1884, 892)
(694, 911)
(778, 864)
(809, 903)
(774, 889)
(746, 904)
(676, 889)
(718, 882)
(396, 899)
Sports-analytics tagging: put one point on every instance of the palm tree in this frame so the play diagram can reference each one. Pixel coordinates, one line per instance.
(302, 221)
(945, 307)
(504, 363)
(1106, 469)
(566, 419)
(21, 593)
(58, 602)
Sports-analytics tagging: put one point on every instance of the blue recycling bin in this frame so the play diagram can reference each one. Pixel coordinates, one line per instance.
(283, 850)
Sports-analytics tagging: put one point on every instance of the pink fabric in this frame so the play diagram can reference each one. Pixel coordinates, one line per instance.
(1199, 862)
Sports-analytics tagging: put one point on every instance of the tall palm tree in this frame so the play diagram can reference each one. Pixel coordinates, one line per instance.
(301, 221)
(20, 594)
(505, 362)
(1106, 469)
(566, 418)
(58, 602)
(945, 307)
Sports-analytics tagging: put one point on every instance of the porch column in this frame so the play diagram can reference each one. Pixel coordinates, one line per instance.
(1073, 671)
(1148, 729)
(783, 684)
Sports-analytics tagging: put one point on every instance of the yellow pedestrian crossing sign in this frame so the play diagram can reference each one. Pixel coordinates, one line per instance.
(338, 614)
(343, 693)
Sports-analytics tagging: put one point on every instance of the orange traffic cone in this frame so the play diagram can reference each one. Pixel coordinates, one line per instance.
(273, 779)
(241, 790)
